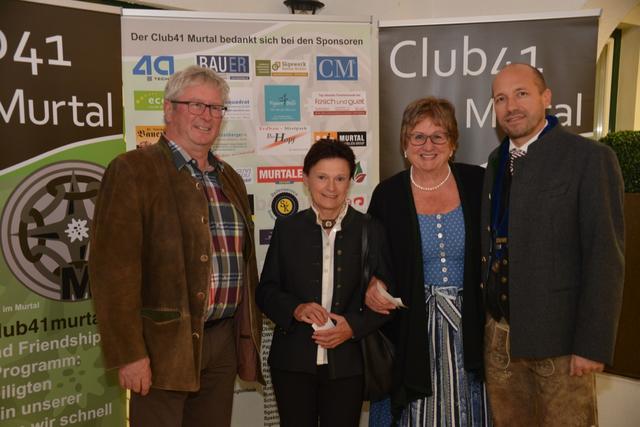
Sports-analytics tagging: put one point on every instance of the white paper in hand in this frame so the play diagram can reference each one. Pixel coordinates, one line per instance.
(395, 301)
(327, 325)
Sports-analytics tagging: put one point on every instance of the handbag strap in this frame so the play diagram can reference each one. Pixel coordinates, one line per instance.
(364, 264)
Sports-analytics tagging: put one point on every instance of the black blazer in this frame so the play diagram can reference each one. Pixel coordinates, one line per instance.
(292, 275)
(392, 203)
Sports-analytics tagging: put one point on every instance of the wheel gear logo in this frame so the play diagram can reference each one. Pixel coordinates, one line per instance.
(45, 229)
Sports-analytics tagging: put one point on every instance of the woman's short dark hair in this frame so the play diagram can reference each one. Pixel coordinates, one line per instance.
(327, 148)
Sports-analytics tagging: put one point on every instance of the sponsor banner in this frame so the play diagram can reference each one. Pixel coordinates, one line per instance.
(280, 174)
(282, 103)
(282, 68)
(272, 69)
(339, 103)
(337, 68)
(284, 139)
(351, 138)
(458, 61)
(61, 123)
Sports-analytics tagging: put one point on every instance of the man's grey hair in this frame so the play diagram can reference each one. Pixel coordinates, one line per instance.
(191, 75)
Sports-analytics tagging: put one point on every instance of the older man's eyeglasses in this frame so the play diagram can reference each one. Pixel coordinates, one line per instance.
(198, 108)
(418, 138)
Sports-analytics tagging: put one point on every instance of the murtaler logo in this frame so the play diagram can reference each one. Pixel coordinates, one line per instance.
(279, 174)
(359, 173)
(337, 68)
(351, 138)
(45, 229)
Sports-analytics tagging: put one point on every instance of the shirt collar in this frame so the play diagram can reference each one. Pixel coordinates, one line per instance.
(181, 158)
(525, 147)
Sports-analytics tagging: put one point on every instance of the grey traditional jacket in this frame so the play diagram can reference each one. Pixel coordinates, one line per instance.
(566, 247)
(150, 269)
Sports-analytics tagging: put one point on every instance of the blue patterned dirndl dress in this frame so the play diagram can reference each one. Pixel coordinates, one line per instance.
(459, 398)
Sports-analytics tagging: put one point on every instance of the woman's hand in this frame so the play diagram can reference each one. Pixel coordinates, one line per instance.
(374, 300)
(331, 338)
(311, 313)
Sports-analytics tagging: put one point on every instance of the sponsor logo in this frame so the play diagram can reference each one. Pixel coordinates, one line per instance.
(280, 174)
(45, 229)
(239, 105)
(148, 100)
(282, 103)
(229, 67)
(265, 236)
(352, 139)
(285, 139)
(337, 68)
(147, 135)
(359, 173)
(339, 103)
(357, 201)
(246, 174)
(232, 142)
(282, 68)
(284, 203)
(154, 67)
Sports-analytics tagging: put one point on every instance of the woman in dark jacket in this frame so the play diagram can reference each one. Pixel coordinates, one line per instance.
(311, 288)
(431, 213)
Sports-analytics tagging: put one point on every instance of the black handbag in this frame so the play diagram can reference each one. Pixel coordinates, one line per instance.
(377, 349)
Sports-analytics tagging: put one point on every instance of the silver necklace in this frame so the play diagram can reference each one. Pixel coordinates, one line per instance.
(435, 187)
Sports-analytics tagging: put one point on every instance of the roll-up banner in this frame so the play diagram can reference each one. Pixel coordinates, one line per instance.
(60, 124)
(458, 60)
(293, 80)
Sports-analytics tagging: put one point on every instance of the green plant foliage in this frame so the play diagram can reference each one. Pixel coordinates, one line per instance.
(626, 145)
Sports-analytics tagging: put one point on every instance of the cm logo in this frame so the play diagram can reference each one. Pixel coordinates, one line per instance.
(337, 68)
(149, 66)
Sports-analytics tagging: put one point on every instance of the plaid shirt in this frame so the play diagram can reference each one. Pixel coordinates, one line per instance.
(227, 236)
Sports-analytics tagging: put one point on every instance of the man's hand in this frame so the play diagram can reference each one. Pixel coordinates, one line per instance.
(136, 376)
(311, 313)
(331, 338)
(580, 366)
(374, 300)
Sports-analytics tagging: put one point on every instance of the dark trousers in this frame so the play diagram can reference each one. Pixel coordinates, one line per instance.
(304, 398)
(211, 405)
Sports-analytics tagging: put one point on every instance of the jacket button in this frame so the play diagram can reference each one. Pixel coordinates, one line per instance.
(339, 268)
(339, 252)
(488, 228)
(481, 285)
(204, 258)
(200, 295)
(338, 286)
(505, 262)
(503, 297)
(503, 279)
(198, 185)
(196, 336)
(484, 259)
(203, 220)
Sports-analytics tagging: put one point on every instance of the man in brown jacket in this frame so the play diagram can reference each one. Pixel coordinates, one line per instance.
(173, 266)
